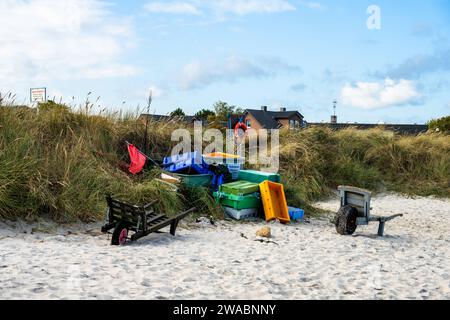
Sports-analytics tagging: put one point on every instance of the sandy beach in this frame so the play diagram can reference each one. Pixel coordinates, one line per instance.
(308, 260)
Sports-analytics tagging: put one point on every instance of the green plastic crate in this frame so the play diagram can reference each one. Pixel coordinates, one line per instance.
(258, 176)
(251, 201)
(239, 188)
(198, 180)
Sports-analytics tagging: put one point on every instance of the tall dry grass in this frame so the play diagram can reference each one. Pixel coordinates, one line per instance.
(314, 160)
(60, 163)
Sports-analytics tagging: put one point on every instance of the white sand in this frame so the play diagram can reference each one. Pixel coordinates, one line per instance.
(309, 261)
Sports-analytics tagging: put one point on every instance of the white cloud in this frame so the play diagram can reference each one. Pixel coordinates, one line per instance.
(157, 92)
(110, 71)
(177, 7)
(419, 65)
(313, 5)
(66, 39)
(243, 7)
(55, 95)
(375, 95)
(198, 74)
(220, 7)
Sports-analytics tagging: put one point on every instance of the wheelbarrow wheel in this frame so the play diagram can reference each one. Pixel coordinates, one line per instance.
(120, 234)
(346, 220)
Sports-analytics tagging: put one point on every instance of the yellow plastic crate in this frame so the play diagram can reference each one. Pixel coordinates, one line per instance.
(221, 155)
(274, 202)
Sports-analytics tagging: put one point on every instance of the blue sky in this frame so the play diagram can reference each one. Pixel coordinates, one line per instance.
(293, 53)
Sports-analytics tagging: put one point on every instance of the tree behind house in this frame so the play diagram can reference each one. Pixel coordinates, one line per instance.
(204, 114)
(223, 109)
(178, 113)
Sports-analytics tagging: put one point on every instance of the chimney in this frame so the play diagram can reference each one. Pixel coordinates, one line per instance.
(283, 109)
(264, 108)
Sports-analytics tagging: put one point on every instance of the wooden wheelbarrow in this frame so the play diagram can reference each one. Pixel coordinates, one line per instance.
(355, 211)
(124, 218)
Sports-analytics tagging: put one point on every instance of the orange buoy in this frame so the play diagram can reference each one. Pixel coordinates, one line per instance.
(241, 126)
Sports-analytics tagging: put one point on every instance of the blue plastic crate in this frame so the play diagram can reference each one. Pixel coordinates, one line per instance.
(296, 214)
(184, 162)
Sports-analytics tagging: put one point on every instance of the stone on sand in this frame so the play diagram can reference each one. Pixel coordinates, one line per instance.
(265, 232)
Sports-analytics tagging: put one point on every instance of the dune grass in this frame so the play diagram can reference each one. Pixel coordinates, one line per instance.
(317, 159)
(59, 163)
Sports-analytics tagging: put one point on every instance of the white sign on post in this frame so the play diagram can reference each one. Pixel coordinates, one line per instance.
(38, 95)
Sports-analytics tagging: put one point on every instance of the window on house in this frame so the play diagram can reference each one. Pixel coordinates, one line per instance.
(295, 124)
(292, 124)
(248, 123)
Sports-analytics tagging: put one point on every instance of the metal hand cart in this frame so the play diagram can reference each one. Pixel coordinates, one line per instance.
(355, 211)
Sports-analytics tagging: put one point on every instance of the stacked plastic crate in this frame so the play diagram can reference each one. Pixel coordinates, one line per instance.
(269, 189)
(240, 199)
(190, 168)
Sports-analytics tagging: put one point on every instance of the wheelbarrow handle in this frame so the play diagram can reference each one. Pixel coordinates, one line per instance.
(393, 217)
(384, 219)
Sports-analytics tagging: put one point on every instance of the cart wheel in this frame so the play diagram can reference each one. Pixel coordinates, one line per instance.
(346, 220)
(120, 234)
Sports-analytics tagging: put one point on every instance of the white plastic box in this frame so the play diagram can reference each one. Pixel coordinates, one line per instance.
(241, 214)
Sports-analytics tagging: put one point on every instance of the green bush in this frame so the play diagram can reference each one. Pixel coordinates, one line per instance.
(441, 125)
